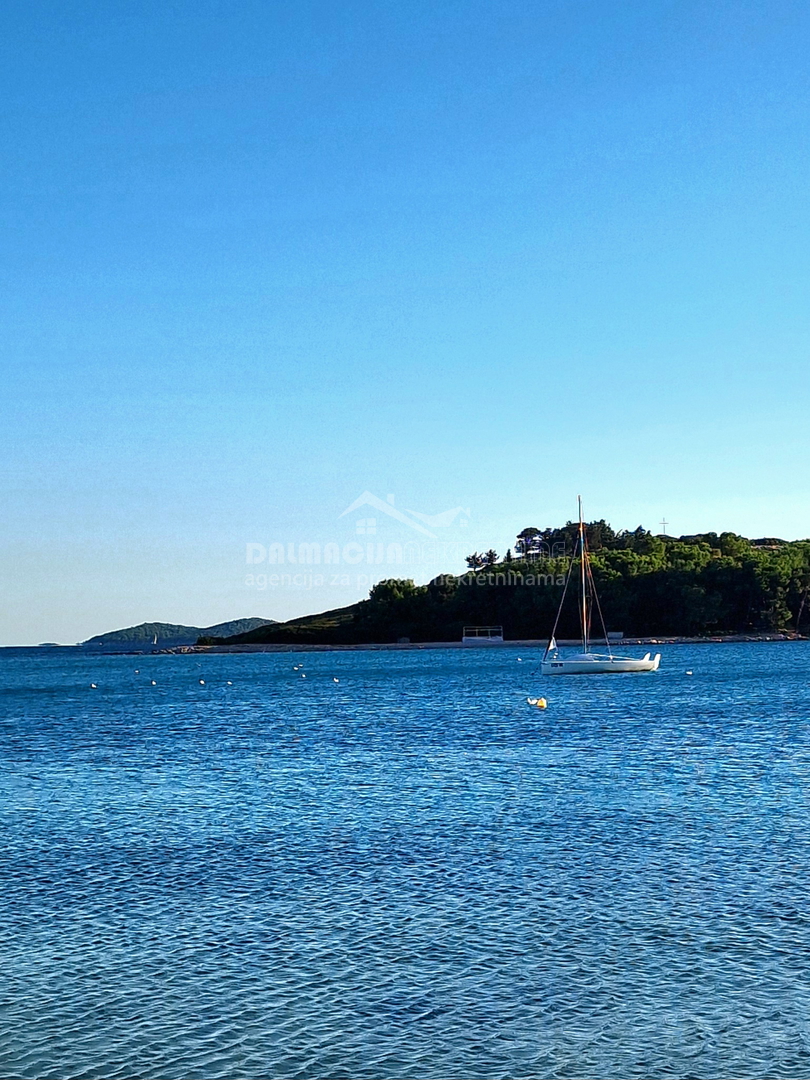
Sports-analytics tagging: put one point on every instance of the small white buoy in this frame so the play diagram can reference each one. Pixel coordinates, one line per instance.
(335, 680)
(93, 686)
(520, 659)
(303, 676)
(137, 672)
(689, 673)
(202, 682)
(230, 683)
(154, 683)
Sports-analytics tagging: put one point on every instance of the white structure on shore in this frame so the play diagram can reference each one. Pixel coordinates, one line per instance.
(482, 635)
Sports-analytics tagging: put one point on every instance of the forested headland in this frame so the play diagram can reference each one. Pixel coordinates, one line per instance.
(707, 584)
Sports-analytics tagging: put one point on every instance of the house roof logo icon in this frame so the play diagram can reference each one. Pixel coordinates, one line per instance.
(421, 523)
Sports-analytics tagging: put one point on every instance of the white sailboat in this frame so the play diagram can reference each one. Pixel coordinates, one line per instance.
(587, 662)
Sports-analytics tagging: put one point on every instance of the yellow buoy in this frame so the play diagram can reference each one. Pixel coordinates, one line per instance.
(538, 702)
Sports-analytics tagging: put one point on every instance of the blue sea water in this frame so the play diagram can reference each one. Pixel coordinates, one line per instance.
(405, 873)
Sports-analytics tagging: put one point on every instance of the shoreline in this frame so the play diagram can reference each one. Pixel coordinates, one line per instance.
(522, 643)
(403, 646)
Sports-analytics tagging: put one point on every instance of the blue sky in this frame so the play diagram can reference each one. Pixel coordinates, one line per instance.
(260, 258)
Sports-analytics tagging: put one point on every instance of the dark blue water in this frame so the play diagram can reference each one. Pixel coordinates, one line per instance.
(406, 873)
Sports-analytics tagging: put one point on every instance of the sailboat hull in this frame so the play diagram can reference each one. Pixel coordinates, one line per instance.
(593, 664)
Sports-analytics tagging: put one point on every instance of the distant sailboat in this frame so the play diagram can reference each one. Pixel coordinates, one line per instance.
(587, 662)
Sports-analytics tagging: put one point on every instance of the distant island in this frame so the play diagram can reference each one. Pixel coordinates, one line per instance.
(160, 635)
(706, 584)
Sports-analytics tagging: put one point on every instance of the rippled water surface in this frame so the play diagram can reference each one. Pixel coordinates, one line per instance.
(408, 872)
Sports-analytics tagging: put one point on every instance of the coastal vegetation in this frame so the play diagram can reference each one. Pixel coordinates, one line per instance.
(707, 584)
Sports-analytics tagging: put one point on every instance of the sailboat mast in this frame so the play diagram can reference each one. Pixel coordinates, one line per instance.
(584, 613)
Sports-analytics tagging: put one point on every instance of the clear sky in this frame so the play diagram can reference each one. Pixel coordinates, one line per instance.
(260, 258)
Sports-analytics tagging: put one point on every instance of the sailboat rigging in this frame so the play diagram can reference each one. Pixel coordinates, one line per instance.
(587, 662)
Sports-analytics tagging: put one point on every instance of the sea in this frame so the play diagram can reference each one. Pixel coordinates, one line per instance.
(388, 865)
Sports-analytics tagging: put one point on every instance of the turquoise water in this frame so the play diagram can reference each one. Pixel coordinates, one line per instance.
(408, 872)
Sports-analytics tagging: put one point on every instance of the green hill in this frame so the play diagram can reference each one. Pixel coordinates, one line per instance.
(339, 625)
(648, 586)
(168, 635)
